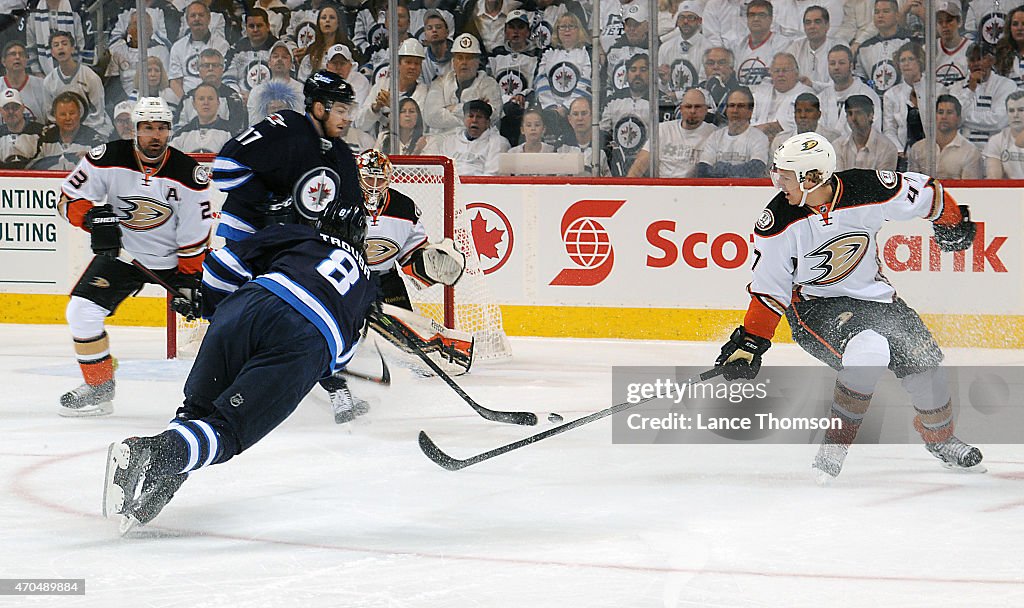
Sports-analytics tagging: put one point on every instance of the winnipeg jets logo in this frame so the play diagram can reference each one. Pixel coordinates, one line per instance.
(564, 77)
(884, 75)
(305, 35)
(684, 75)
(630, 133)
(838, 258)
(256, 73)
(141, 213)
(314, 190)
(992, 27)
(512, 83)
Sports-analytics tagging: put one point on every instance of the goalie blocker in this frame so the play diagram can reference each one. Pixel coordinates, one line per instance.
(436, 263)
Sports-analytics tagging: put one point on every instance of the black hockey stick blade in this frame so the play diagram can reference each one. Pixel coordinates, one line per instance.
(445, 461)
(383, 322)
(385, 373)
(712, 373)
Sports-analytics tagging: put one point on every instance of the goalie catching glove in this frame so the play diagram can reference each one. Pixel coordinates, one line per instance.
(437, 263)
(105, 230)
(958, 236)
(189, 303)
(741, 355)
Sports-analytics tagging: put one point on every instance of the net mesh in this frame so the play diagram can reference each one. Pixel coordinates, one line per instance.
(431, 183)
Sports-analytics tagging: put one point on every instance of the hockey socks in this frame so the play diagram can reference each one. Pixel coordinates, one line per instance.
(94, 359)
(935, 426)
(192, 444)
(849, 407)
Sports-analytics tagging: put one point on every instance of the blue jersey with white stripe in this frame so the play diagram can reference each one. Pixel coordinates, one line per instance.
(264, 164)
(324, 279)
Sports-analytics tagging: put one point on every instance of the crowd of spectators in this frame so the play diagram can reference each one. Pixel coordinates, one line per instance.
(486, 80)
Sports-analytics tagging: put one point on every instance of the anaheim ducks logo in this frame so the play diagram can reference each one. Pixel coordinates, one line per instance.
(142, 213)
(838, 258)
(380, 249)
(810, 144)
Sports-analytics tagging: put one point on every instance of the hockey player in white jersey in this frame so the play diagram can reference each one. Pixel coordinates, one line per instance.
(815, 262)
(149, 199)
(396, 242)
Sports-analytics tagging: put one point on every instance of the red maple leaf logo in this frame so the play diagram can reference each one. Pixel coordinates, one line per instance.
(486, 240)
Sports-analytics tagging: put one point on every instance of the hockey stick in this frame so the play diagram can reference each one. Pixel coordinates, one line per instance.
(385, 374)
(454, 464)
(387, 327)
(127, 258)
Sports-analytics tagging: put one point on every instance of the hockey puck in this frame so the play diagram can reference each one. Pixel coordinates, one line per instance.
(553, 417)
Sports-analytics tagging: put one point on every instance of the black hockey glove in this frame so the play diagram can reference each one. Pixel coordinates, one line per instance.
(279, 211)
(105, 229)
(957, 237)
(741, 355)
(190, 303)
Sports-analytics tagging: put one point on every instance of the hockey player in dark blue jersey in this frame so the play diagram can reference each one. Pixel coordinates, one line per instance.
(286, 308)
(288, 165)
(283, 170)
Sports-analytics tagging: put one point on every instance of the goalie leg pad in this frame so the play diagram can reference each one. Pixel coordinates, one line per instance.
(437, 263)
(408, 331)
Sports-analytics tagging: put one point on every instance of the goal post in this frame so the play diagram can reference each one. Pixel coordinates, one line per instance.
(432, 183)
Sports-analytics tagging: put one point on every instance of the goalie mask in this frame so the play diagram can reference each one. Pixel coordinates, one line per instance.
(374, 179)
(808, 155)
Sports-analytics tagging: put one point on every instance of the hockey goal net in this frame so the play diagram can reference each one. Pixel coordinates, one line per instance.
(431, 182)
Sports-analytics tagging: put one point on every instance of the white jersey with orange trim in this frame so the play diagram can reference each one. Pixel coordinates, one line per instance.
(164, 210)
(394, 233)
(831, 250)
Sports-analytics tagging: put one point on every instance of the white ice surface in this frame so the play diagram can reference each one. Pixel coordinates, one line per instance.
(325, 515)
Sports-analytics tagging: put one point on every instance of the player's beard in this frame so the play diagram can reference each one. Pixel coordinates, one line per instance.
(154, 150)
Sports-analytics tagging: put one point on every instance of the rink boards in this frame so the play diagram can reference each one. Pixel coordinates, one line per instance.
(660, 259)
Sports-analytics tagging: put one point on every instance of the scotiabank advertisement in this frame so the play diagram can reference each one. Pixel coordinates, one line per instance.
(691, 247)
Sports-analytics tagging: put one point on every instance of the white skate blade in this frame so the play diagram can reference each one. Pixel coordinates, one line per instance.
(113, 495)
(126, 524)
(976, 469)
(821, 478)
(104, 408)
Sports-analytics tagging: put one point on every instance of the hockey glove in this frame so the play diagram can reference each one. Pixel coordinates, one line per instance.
(279, 211)
(956, 237)
(105, 229)
(741, 355)
(437, 263)
(190, 303)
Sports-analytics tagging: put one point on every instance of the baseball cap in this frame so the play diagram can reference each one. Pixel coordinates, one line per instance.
(284, 45)
(477, 104)
(688, 6)
(10, 96)
(466, 43)
(952, 8)
(339, 49)
(124, 107)
(517, 15)
(637, 12)
(433, 12)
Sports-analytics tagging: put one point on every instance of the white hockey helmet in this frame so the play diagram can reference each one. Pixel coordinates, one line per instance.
(151, 109)
(808, 155)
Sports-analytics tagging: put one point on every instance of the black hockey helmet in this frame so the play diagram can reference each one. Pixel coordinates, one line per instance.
(327, 87)
(344, 221)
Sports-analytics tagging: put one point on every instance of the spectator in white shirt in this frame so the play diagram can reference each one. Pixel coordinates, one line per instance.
(466, 81)
(865, 147)
(955, 157)
(737, 150)
(950, 46)
(183, 72)
(476, 148)
(901, 118)
(532, 130)
(758, 49)
(844, 84)
(339, 61)
(680, 141)
(1004, 153)
(811, 51)
(807, 114)
(983, 96)
(774, 100)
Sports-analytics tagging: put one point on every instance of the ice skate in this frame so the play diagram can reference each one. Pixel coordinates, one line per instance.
(957, 455)
(88, 400)
(828, 462)
(346, 407)
(128, 490)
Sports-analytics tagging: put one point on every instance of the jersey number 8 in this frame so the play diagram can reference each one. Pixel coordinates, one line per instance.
(340, 269)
